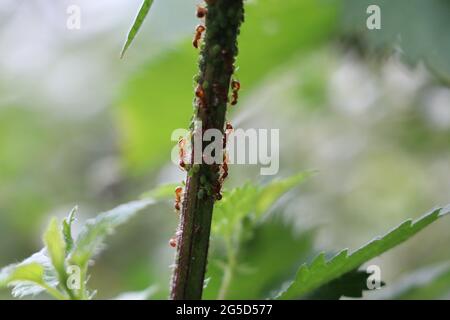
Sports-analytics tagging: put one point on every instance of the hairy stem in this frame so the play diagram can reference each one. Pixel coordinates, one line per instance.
(216, 68)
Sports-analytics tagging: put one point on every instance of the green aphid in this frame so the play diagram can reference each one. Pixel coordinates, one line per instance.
(200, 194)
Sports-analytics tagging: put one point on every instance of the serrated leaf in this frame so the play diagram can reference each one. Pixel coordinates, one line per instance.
(90, 240)
(56, 247)
(260, 269)
(249, 199)
(142, 14)
(45, 270)
(320, 272)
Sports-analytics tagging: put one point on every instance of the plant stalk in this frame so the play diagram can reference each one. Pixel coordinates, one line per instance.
(216, 67)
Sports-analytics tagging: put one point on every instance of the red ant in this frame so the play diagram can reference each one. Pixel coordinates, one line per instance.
(224, 168)
(200, 94)
(228, 129)
(198, 35)
(181, 152)
(178, 194)
(235, 86)
(201, 12)
(223, 174)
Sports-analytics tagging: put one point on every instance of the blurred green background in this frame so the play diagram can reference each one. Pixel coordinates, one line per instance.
(369, 110)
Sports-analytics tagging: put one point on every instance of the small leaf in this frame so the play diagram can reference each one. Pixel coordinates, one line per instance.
(145, 8)
(56, 247)
(91, 237)
(67, 229)
(320, 272)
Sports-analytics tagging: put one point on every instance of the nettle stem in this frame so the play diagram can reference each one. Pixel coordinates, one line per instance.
(216, 67)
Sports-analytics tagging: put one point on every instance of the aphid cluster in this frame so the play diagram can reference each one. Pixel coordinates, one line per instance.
(211, 182)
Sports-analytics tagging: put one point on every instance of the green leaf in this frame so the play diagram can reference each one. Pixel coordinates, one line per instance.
(145, 8)
(32, 272)
(67, 229)
(27, 279)
(260, 269)
(249, 199)
(233, 207)
(419, 28)
(45, 270)
(351, 285)
(274, 190)
(90, 240)
(321, 271)
(31, 276)
(56, 247)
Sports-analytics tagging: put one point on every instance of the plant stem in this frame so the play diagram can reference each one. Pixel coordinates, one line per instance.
(216, 66)
(82, 292)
